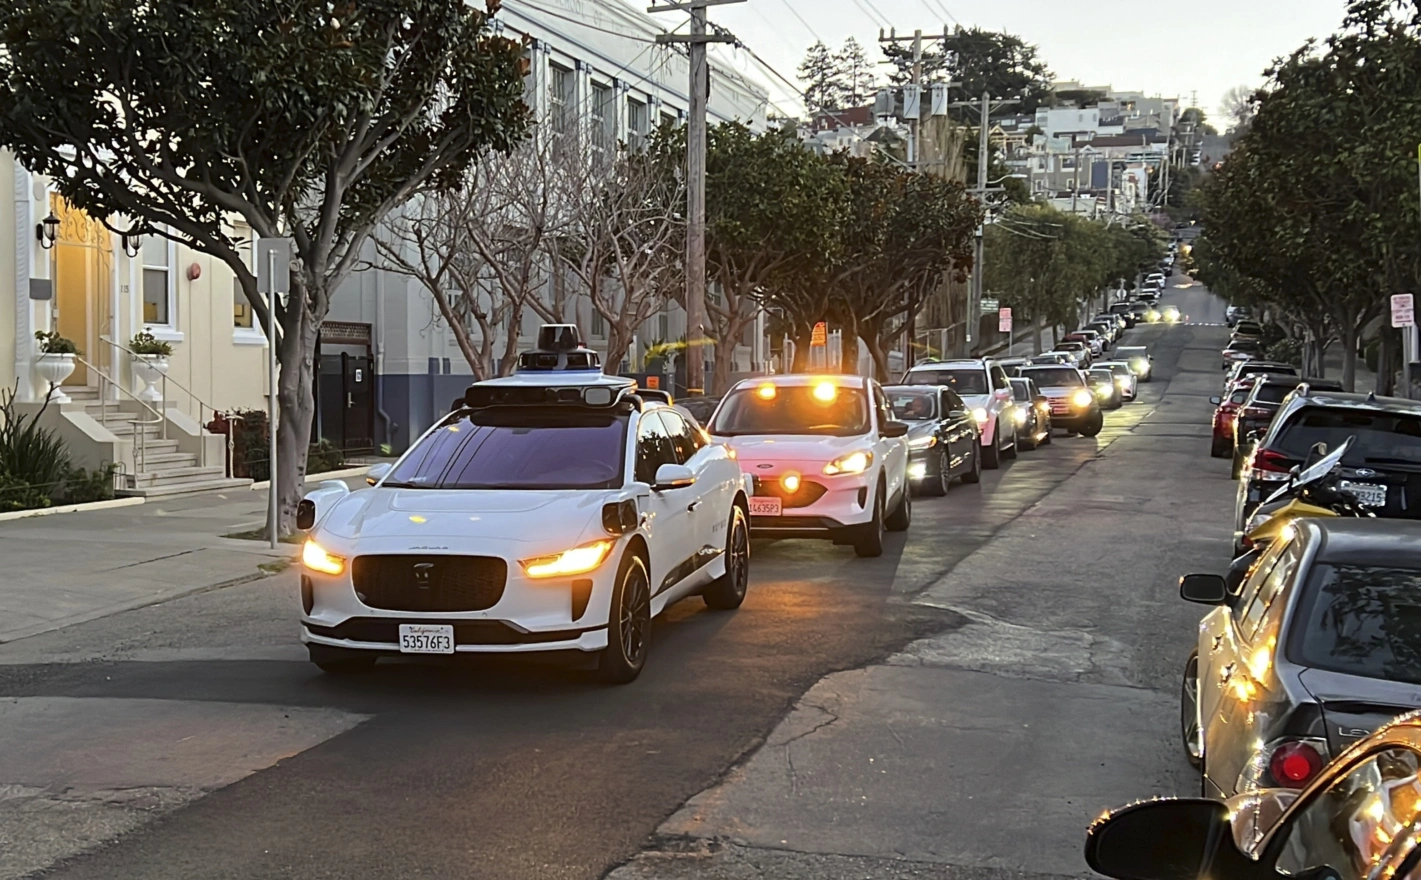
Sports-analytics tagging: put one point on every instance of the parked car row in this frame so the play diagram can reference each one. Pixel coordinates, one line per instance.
(1295, 701)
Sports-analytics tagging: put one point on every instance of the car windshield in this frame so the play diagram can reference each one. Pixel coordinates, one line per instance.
(1272, 393)
(1120, 369)
(964, 380)
(510, 449)
(1247, 345)
(792, 409)
(1020, 389)
(1381, 437)
(1102, 377)
(913, 406)
(1361, 620)
(1129, 352)
(1056, 377)
(1046, 359)
(1248, 327)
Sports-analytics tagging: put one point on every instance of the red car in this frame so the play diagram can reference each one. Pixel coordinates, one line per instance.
(1225, 413)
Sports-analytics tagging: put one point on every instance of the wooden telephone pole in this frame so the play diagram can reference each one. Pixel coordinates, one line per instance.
(696, 42)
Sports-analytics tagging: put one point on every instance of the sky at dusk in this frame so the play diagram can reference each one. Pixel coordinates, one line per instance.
(1170, 49)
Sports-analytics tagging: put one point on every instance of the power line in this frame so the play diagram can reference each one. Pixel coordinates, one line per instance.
(945, 11)
(583, 24)
(807, 26)
(872, 12)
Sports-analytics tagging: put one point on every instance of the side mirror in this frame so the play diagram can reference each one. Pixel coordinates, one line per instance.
(673, 476)
(1173, 839)
(377, 473)
(1216, 400)
(1205, 589)
(892, 429)
(310, 509)
(305, 514)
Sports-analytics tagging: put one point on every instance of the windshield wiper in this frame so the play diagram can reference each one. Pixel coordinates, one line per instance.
(398, 485)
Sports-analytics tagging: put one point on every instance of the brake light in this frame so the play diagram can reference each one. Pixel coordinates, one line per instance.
(1294, 764)
(1272, 462)
(1256, 411)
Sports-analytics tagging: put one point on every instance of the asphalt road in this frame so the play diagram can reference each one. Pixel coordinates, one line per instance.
(190, 738)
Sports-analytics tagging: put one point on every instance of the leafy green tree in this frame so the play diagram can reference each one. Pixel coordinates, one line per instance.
(824, 86)
(976, 60)
(304, 119)
(1195, 119)
(856, 74)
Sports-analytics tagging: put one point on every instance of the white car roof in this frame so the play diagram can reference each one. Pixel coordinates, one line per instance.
(561, 379)
(961, 364)
(796, 379)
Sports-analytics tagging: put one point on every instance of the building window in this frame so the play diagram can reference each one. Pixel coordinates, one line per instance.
(560, 98)
(604, 117)
(241, 309)
(638, 123)
(157, 281)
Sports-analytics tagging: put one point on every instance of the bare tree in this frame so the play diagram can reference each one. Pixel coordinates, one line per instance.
(1237, 106)
(622, 239)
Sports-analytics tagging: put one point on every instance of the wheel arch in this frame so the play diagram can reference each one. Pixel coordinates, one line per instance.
(637, 546)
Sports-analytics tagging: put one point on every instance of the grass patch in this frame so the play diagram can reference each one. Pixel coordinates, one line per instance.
(260, 535)
(276, 566)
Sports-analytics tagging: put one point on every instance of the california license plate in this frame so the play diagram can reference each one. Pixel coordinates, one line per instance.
(424, 638)
(1367, 494)
(766, 506)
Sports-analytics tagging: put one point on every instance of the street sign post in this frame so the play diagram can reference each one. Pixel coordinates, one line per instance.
(273, 257)
(1004, 326)
(1403, 316)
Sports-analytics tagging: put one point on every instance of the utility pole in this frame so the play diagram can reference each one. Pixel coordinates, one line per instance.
(915, 161)
(974, 296)
(695, 42)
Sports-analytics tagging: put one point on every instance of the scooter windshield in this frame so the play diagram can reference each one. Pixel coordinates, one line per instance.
(1313, 472)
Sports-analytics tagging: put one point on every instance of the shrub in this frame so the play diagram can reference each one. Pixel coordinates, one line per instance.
(29, 452)
(1287, 351)
(144, 342)
(324, 456)
(53, 343)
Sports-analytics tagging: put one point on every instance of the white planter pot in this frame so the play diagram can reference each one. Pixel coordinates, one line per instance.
(54, 369)
(150, 370)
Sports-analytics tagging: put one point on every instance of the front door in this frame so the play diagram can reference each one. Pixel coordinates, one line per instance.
(83, 278)
(359, 419)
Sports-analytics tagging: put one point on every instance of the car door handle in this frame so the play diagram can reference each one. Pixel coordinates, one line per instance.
(694, 505)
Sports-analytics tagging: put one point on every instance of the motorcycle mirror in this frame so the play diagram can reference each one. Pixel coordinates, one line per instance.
(1317, 451)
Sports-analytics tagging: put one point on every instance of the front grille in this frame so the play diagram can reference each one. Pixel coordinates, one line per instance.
(429, 583)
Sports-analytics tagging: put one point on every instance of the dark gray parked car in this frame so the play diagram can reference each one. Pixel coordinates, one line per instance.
(1320, 646)
(944, 442)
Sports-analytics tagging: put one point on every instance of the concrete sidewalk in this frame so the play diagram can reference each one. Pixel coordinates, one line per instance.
(68, 568)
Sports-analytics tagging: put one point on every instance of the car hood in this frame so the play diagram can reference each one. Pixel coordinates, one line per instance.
(1056, 392)
(921, 429)
(450, 513)
(975, 400)
(788, 448)
(1353, 707)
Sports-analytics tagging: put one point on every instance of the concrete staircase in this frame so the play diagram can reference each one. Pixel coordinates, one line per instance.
(166, 470)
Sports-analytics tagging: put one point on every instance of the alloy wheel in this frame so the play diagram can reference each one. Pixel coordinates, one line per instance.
(635, 615)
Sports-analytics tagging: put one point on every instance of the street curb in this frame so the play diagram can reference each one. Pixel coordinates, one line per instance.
(110, 610)
(72, 508)
(328, 475)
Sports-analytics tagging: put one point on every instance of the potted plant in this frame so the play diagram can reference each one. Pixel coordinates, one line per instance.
(55, 362)
(150, 362)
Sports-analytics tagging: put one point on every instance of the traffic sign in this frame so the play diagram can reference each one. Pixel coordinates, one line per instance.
(1403, 310)
(820, 336)
(1004, 320)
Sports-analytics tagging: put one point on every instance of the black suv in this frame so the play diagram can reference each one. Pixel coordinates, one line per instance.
(1382, 468)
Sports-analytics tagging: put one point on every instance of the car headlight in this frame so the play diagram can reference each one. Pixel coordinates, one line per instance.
(853, 463)
(1122, 381)
(1103, 391)
(317, 559)
(927, 442)
(578, 560)
(980, 415)
(1140, 366)
(1019, 415)
(1082, 398)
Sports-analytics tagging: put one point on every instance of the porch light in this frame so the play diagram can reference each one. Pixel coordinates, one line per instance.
(47, 231)
(132, 243)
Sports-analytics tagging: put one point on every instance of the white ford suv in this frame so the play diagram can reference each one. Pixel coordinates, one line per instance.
(985, 387)
(826, 455)
(553, 510)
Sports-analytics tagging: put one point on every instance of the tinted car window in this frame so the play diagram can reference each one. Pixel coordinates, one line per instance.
(1056, 377)
(1021, 390)
(1238, 397)
(684, 439)
(517, 450)
(1380, 437)
(1272, 393)
(1360, 620)
(793, 409)
(913, 406)
(999, 378)
(1245, 345)
(653, 448)
(951, 402)
(963, 381)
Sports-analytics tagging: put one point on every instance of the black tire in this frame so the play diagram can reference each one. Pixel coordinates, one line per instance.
(1010, 452)
(628, 625)
(1218, 448)
(935, 485)
(1027, 444)
(975, 474)
(992, 455)
(1046, 437)
(341, 661)
(902, 516)
(727, 591)
(868, 538)
(1094, 426)
(1189, 730)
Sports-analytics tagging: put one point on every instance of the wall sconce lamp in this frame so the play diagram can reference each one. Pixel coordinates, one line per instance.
(47, 231)
(132, 243)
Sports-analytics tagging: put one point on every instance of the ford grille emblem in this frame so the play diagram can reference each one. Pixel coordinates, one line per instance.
(1365, 472)
(423, 571)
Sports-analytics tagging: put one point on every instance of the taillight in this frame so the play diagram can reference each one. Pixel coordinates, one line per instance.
(1294, 764)
(1270, 465)
(1256, 411)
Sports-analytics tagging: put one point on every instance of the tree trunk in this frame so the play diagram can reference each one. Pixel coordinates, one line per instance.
(724, 359)
(1349, 355)
(1036, 336)
(618, 342)
(297, 410)
(878, 353)
(1383, 384)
